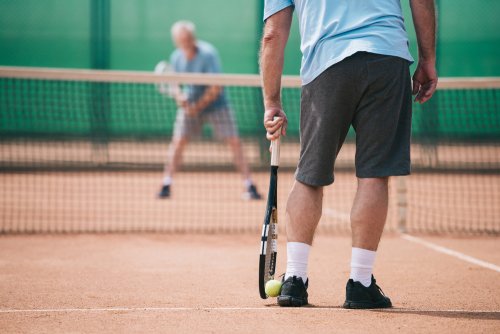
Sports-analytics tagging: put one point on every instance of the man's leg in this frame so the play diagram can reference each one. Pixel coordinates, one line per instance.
(369, 212)
(185, 127)
(368, 215)
(383, 126)
(303, 211)
(234, 144)
(224, 126)
(174, 156)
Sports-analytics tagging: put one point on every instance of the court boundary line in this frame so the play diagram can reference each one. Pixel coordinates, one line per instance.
(236, 309)
(344, 217)
(451, 252)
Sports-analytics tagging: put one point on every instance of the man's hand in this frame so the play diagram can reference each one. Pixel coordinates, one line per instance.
(272, 125)
(190, 109)
(181, 100)
(424, 81)
(425, 77)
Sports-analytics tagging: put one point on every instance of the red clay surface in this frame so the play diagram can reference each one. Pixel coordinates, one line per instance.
(208, 284)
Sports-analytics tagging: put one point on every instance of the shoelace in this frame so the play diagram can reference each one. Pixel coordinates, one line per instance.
(380, 289)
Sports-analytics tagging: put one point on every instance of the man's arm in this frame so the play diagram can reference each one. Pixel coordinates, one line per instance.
(209, 96)
(272, 56)
(425, 76)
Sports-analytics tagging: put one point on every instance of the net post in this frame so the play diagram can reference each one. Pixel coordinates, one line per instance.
(100, 95)
(402, 203)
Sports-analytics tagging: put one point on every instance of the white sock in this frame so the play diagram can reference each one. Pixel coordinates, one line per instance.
(248, 183)
(297, 259)
(362, 261)
(167, 181)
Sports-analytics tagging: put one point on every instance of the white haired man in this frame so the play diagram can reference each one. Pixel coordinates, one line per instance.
(199, 104)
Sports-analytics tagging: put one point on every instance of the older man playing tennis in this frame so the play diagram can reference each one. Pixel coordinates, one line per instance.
(355, 71)
(200, 104)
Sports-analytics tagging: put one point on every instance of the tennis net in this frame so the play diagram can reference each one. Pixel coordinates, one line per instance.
(84, 150)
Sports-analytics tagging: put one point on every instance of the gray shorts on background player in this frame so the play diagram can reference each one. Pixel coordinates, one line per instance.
(221, 120)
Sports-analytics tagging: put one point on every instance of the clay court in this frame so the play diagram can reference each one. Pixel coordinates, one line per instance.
(111, 257)
(208, 284)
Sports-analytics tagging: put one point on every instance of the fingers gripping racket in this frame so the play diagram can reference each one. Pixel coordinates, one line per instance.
(268, 243)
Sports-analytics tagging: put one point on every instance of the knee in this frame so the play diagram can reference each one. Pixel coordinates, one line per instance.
(312, 190)
(373, 182)
(303, 193)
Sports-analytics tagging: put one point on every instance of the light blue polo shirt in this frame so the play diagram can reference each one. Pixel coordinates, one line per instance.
(332, 30)
(205, 61)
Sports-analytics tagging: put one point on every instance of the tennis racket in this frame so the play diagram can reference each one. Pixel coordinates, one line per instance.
(167, 89)
(268, 241)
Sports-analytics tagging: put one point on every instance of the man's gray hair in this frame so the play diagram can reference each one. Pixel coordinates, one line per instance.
(182, 25)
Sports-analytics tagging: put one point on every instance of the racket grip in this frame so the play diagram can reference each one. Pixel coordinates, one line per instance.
(275, 150)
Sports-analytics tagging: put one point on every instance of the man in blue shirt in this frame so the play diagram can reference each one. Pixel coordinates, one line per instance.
(355, 71)
(199, 104)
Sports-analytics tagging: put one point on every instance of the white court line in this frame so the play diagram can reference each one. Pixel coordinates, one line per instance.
(344, 217)
(181, 309)
(447, 251)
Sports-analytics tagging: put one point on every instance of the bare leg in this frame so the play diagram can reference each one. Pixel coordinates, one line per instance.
(369, 212)
(303, 211)
(174, 156)
(239, 158)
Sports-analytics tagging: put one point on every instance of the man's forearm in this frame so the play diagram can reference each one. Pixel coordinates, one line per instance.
(209, 96)
(424, 20)
(272, 55)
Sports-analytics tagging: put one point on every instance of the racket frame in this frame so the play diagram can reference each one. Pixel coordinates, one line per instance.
(268, 244)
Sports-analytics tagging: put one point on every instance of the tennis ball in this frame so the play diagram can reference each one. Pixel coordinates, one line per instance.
(273, 288)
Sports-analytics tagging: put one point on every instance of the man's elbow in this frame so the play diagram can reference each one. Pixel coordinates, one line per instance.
(273, 36)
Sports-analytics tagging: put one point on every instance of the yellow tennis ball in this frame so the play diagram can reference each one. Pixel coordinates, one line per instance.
(273, 288)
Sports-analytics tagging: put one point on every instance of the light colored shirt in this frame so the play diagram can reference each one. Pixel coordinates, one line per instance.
(205, 61)
(332, 30)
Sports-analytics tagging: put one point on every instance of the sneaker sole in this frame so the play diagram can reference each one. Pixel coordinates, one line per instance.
(357, 305)
(289, 301)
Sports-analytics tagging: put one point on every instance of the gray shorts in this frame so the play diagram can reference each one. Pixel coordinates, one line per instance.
(221, 120)
(372, 93)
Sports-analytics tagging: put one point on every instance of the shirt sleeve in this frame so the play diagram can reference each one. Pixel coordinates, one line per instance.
(174, 64)
(213, 63)
(271, 7)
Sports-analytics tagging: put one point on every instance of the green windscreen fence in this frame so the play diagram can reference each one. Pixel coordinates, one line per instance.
(136, 33)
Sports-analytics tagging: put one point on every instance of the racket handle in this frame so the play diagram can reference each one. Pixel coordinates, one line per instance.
(275, 150)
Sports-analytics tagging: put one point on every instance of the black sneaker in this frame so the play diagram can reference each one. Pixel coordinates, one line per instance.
(293, 292)
(358, 296)
(164, 192)
(251, 193)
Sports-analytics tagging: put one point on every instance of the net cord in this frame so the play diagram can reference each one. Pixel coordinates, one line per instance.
(249, 80)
